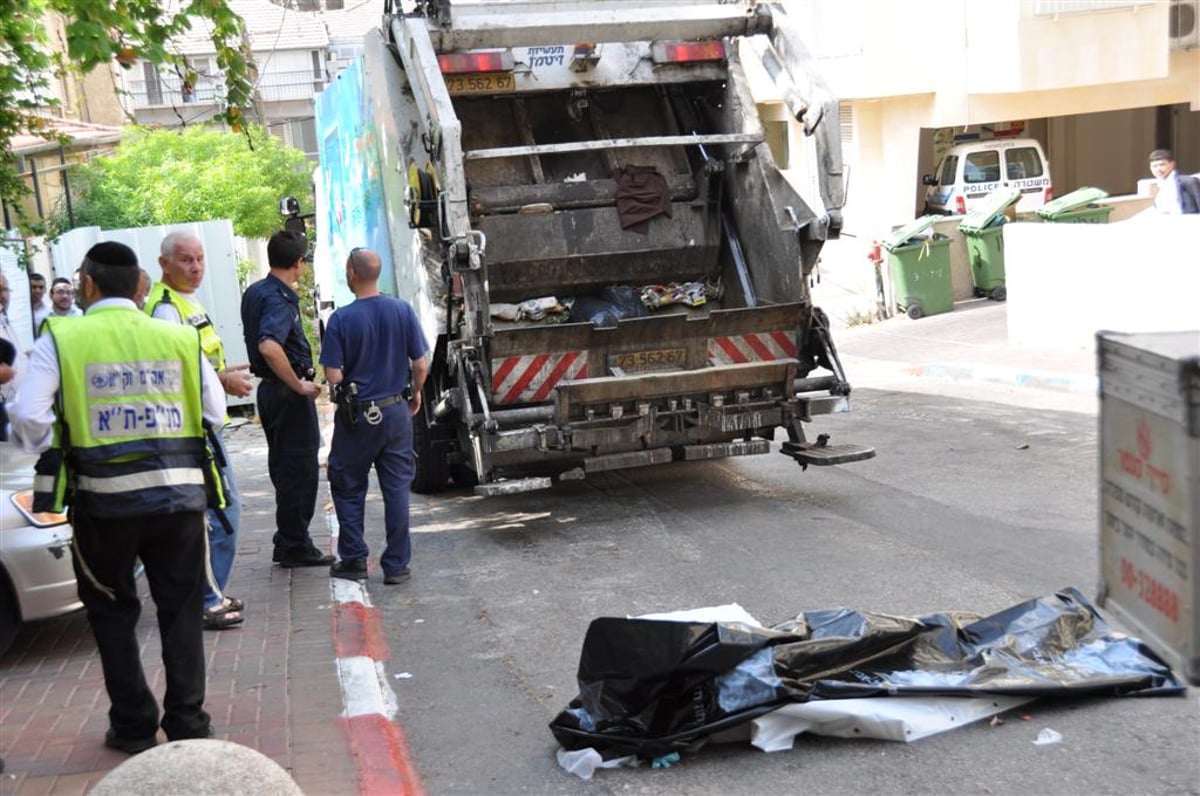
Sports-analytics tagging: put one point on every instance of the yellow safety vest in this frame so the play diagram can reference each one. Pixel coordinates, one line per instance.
(194, 315)
(128, 436)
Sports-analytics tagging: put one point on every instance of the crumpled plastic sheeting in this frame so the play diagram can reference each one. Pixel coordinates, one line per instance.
(648, 687)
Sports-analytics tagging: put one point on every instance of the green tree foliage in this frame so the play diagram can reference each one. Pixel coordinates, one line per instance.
(197, 174)
(96, 34)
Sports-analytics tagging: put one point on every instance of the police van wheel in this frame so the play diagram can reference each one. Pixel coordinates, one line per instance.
(433, 471)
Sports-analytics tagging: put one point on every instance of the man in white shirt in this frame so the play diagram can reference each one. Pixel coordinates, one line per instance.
(39, 303)
(1177, 193)
(12, 359)
(62, 303)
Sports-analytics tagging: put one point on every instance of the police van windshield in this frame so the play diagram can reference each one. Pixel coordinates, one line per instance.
(982, 167)
(1022, 163)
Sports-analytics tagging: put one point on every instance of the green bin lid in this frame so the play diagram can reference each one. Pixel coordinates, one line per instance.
(1072, 201)
(910, 230)
(990, 210)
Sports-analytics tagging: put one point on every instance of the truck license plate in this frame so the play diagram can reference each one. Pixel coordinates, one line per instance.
(480, 84)
(641, 361)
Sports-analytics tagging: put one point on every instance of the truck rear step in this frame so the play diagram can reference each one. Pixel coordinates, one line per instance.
(823, 454)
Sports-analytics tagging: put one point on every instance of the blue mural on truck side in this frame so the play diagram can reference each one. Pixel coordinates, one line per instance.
(350, 204)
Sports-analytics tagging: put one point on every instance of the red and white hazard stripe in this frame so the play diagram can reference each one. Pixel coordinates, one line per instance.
(376, 738)
(759, 347)
(532, 378)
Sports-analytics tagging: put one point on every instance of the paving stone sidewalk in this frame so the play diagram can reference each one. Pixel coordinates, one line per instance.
(272, 683)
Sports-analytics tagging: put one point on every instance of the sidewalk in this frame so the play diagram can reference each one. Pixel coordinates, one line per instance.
(272, 683)
(966, 348)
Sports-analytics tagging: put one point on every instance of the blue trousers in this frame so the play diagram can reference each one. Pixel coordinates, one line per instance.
(387, 447)
(222, 545)
(293, 435)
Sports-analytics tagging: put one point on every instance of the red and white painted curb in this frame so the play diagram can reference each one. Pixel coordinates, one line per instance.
(377, 740)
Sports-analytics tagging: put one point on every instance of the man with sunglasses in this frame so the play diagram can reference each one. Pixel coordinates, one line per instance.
(375, 355)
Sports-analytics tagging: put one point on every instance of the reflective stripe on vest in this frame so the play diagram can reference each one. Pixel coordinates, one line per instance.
(176, 476)
(193, 314)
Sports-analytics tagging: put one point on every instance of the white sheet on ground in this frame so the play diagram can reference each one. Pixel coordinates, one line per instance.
(888, 718)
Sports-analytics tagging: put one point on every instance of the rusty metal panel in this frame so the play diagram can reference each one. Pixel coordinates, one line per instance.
(575, 252)
(658, 330)
(621, 461)
(651, 386)
(721, 450)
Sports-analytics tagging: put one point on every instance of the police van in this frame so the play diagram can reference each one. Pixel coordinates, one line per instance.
(971, 170)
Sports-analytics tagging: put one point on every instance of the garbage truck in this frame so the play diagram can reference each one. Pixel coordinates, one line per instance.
(579, 200)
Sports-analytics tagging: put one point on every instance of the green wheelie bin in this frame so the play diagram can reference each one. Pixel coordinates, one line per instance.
(1077, 207)
(983, 232)
(920, 268)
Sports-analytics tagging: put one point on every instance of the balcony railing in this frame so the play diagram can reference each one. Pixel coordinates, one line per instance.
(170, 91)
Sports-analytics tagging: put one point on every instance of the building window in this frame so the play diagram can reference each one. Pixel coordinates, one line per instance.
(153, 86)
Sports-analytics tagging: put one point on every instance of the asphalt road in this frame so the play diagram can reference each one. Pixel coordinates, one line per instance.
(971, 505)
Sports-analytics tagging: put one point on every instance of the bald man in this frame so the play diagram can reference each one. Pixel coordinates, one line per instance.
(376, 354)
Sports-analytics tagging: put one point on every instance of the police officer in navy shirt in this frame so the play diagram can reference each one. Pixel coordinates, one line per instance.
(372, 351)
(280, 355)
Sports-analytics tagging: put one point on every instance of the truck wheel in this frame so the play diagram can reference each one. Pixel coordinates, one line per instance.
(464, 475)
(915, 311)
(433, 471)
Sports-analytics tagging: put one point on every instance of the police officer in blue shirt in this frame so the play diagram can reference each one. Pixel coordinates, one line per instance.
(280, 355)
(375, 355)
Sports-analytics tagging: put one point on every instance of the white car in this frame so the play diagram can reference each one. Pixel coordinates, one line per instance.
(36, 577)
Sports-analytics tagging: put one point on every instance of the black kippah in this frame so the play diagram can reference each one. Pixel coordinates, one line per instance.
(110, 252)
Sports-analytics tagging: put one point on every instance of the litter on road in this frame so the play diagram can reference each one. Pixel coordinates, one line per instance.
(653, 685)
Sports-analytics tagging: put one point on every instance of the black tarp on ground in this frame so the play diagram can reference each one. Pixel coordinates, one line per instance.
(649, 687)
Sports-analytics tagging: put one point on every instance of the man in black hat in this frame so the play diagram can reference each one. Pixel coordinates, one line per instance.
(118, 401)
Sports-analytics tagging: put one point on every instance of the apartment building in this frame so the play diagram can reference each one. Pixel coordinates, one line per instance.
(1099, 82)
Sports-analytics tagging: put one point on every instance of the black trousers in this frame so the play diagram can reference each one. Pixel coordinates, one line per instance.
(171, 546)
(293, 435)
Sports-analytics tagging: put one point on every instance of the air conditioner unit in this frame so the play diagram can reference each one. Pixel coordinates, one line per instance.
(1184, 24)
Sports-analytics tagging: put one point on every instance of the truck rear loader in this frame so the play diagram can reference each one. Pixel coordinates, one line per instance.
(578, 199)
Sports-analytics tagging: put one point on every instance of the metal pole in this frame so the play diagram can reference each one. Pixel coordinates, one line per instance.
(66, 184)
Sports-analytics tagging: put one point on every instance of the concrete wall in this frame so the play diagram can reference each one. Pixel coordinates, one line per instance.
(1067, 281)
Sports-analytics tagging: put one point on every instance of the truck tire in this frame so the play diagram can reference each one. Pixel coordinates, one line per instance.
(433, 471)
(464, 475)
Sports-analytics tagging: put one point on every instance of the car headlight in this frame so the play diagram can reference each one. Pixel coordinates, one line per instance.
(23, 500)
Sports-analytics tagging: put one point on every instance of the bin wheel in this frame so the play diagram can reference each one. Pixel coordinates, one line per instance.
(915, 311)
(999, 294)
(978, 292)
